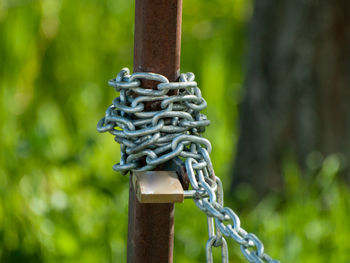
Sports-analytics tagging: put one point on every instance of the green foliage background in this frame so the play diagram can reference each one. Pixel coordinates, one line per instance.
(60, 201)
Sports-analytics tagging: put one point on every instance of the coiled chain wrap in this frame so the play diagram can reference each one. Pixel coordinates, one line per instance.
(151, 138)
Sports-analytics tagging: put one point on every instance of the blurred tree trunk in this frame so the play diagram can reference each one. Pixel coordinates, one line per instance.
(297, 88)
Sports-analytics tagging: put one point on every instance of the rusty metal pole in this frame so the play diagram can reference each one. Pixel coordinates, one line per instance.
(156, 49)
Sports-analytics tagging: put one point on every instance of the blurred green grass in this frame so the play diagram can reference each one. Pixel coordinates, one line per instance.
(60, 201)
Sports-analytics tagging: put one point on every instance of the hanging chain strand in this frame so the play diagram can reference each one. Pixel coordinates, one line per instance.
(150, 138)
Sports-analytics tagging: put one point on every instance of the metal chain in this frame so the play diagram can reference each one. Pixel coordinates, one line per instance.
(150, 138)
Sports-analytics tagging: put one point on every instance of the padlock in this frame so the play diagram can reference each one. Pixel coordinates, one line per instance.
(158, 187)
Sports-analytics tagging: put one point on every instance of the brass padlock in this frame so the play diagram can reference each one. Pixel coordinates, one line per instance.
(158, 187)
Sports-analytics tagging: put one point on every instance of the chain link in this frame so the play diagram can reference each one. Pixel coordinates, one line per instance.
(150, 138)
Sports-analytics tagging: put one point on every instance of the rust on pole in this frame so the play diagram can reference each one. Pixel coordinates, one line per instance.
(158, 37)
(157, 44)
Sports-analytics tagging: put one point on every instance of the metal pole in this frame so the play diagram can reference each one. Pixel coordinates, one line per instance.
(156, 49)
